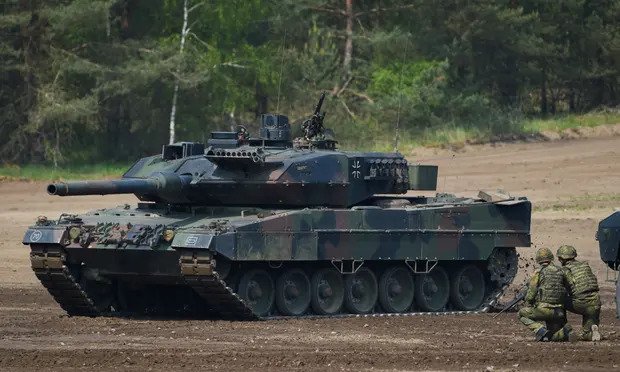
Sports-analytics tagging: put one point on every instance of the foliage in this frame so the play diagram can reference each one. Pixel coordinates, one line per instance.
(93, 80)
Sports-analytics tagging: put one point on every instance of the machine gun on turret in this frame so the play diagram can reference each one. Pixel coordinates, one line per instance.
(314, 126)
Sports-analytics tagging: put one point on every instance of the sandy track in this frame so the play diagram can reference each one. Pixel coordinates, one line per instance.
(35, 334)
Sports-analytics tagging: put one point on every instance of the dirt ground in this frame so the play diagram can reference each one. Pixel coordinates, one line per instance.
(573, 183)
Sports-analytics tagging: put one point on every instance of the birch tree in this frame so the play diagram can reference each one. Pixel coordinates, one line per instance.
(175, 94)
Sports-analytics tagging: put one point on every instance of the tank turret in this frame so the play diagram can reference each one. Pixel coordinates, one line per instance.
(267, 171)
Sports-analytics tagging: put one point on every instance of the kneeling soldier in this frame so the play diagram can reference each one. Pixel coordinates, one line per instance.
(583, 290)
(544, 312)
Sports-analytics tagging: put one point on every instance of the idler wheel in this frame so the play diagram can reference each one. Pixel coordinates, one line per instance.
(467, 288)
(432, 289)
(396, 289)
(256, 288)
(293, 292)
(327, 292)
(360, 291)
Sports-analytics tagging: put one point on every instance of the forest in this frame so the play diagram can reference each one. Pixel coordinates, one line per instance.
(110, 80)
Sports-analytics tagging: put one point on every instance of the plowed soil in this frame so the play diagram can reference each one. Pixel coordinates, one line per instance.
(573, 183)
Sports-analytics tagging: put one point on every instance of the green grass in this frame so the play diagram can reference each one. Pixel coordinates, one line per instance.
(451, 136)
(580, 203)
(456, 136)
(558, 124)
(49, 173)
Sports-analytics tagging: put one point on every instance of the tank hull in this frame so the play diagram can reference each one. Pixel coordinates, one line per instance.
(235, 263)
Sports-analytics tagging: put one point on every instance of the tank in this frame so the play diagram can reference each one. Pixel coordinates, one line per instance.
(608, 236)
(247, 228)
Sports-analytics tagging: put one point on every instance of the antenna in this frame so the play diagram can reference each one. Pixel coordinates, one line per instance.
(281, 67)
(445, 177)
(400, 98)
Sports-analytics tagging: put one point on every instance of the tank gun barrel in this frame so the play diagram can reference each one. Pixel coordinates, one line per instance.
(158, 187)
(122, 186)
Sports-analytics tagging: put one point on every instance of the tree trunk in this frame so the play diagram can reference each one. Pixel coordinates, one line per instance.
(554, 102)
(175, 94)
(543, 94)
(348, 46)
(599, 92)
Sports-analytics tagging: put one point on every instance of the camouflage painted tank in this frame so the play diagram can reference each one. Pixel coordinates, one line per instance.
(608, 236)
(249, 228)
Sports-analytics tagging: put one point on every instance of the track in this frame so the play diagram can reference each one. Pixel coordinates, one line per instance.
(219, 297)
(229, 305)
(49, 265)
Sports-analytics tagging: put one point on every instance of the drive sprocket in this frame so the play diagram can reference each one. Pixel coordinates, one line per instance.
(503, 265)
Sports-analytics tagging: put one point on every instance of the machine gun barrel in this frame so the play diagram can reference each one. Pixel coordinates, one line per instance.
(122, 186)
(319, 105)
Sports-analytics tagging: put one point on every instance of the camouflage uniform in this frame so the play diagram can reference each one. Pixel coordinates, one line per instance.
(584, 293)
(544, 311)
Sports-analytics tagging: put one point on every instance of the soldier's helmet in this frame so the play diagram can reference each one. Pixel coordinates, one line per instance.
(544, 255)
(567, 252)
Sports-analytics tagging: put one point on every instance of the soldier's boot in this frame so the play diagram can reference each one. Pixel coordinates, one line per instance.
(542, 334)
(596, 335)
(563, 334)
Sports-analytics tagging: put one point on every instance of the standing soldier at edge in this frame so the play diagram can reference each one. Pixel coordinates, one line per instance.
(546, 294)
(583, 289)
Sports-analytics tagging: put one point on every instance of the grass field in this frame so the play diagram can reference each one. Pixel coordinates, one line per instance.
(454, 136)
(46, 173)
(457, 136)
(579, 203)
(561, 123)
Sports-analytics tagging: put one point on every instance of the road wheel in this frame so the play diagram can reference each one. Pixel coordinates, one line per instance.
(360, 291)
(293, 292)
(467, 288)
(432, 290)
(327, 292)
(256, 288)
(396, 289)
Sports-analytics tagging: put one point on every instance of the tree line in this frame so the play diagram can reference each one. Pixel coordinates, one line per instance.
(111, 80)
